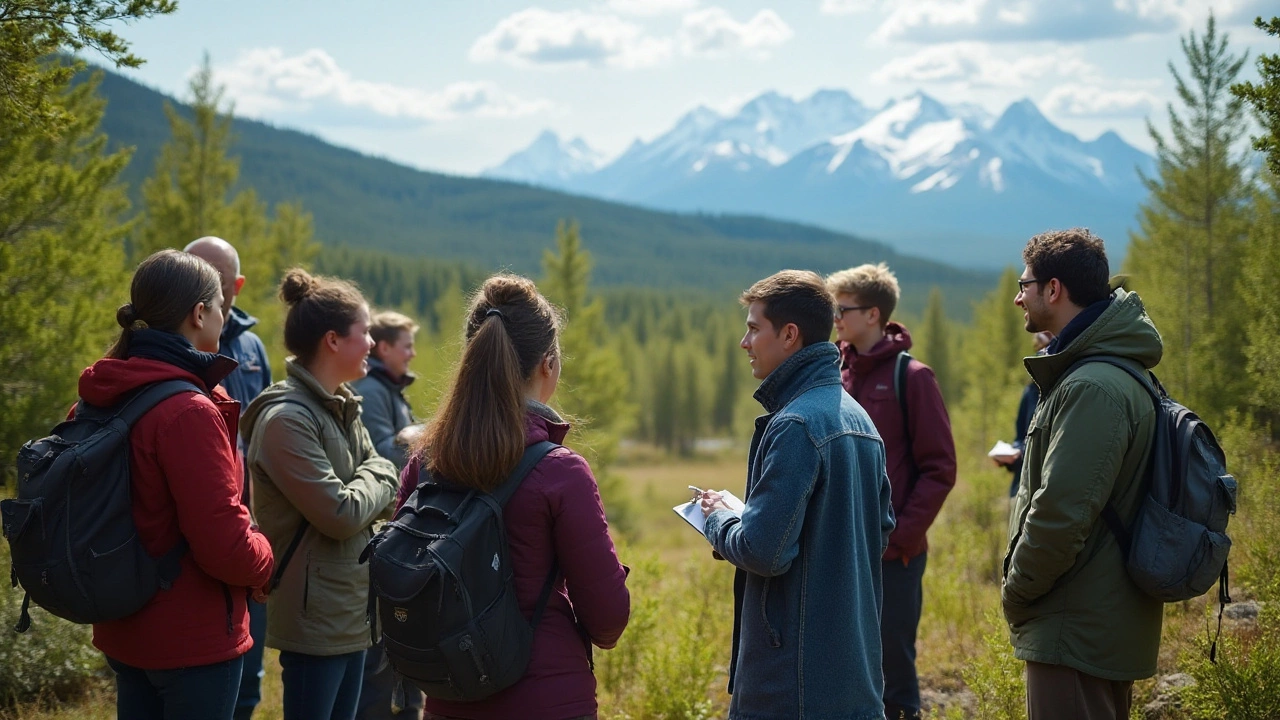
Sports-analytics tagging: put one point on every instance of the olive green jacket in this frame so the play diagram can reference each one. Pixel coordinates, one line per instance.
(1066, 595)
(310, 456)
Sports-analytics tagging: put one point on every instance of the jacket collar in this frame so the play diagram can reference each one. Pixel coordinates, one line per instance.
(1121, 330)
(810, 366)
(378, 370)
(237, 323)
(343, 404)
(543, 423)
(178, 351)
(896, 339)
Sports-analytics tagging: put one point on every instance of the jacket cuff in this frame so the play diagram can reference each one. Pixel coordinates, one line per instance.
(716, 522)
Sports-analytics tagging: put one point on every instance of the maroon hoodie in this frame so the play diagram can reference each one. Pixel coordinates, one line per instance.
(555, 514)
(922, 477)
(186, 483)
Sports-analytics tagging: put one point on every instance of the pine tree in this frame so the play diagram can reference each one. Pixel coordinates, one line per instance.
(726, 399)
(32, 31)
(1264, 98)
(61, 269)
(992, 364)
(1186, 260)
(666, 400)
(594, 386)
(1258, 296)
(935, 345)
(689, 416)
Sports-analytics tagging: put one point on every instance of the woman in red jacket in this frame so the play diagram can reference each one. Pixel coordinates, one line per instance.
(497, 406)
(180, 655)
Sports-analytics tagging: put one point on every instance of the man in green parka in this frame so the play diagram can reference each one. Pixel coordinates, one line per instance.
(1084, 629)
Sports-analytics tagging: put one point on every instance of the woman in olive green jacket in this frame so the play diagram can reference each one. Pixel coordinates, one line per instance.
(317, 478)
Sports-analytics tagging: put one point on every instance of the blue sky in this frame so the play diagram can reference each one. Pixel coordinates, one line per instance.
(458, 85)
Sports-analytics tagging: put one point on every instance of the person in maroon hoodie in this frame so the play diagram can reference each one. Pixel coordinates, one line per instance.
(919, 453)
(180, 655)
(497, 406)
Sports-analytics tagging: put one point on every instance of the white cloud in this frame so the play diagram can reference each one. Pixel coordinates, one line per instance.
(972, 64)
(927, 21)
(846, 7)
(541, 37)
(1092, 101)
(265, 81)
(713, 31)
(651, 7)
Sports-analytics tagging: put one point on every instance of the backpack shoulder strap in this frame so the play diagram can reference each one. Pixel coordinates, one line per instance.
(144, 400)
(532, 456)
(900, 367)
(1146, 380)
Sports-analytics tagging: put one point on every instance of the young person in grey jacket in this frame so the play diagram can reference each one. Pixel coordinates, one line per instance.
(392, 427)
(807, 593)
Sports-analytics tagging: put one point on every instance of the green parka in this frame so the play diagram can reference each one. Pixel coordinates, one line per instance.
(310, 456)
(1066, 595)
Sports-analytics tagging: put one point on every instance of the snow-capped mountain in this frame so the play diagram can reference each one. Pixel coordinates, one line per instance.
(953, 182)
(549, 161)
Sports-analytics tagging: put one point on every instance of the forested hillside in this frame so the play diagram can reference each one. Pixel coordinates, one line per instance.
(375, 204)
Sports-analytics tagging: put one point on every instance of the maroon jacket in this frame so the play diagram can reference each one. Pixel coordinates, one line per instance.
(920, 482)
(556, 513)
(186, 483)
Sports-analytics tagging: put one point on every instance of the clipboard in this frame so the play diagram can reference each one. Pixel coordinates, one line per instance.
(692, 513)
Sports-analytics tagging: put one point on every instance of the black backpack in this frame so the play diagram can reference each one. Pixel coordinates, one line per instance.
(1176, 545)
(72, 540)
(441, 591)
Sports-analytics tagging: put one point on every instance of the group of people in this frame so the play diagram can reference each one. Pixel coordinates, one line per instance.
(847, 469)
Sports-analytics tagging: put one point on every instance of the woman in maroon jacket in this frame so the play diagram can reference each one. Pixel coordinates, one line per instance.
(509, 370)
(180, 655)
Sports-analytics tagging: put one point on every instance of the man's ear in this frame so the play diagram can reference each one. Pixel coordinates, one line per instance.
(238, 286)
(873, 316)
(790, 335)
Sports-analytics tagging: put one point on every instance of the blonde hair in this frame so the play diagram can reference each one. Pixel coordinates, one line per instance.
(873, 285)
(387, 325)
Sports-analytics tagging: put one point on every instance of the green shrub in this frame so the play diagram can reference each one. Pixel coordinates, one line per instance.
(671, 662)
(1245, 682)
(55, 659)
(995, 676)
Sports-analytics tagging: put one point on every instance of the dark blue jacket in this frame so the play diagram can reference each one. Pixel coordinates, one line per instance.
(384, 409)
(239, 343)
(808, 548)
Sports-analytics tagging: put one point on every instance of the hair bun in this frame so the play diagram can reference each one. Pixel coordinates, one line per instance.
(296, 285)
(126, 315)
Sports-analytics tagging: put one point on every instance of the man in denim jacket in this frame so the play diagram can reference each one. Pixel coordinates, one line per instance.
(807, 594)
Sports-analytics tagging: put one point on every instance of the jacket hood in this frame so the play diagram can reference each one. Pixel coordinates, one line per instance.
(896, 339)
(810, 366)
(236, 324)
(301, 386)
(1123, 330)
(109, 381)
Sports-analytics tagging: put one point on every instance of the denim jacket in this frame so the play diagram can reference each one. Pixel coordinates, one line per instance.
(807, 594)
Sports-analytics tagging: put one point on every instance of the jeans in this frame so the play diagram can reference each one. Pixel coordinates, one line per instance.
(382, 686)
(319, 687)
(204, 692)
(1057, 692)
(903, 598)
(251, 676)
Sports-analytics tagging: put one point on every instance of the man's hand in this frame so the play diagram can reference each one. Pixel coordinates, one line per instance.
(408, 434)
(1007, 460)
(711, 502)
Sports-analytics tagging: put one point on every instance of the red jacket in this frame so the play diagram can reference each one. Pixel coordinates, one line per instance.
(555, 513)
(186, 483)
(922, 478)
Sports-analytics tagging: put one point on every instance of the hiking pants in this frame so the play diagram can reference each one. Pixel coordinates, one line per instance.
(321, 687)
(899, 618)
(251, 676)
(1057, 692)
(204, 692)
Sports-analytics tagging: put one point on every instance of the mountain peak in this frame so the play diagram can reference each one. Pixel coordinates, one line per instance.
(548, 161)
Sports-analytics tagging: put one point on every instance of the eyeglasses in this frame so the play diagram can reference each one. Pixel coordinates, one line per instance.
(1022, 284)
(842, 309)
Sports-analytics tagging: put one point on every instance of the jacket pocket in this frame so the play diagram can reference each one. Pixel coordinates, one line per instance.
(334, 599)
(774, 639)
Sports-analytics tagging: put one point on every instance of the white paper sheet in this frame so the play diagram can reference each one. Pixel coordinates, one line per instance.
(692, 513)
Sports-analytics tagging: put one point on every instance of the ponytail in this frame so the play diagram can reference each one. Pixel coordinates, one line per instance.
(478, 435)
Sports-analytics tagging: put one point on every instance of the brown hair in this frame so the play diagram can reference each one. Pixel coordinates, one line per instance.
(1076, 257)
(317, 304)
(873, 285)
(478, 435)
(795, 296)
(387, 325)
(165, 287)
